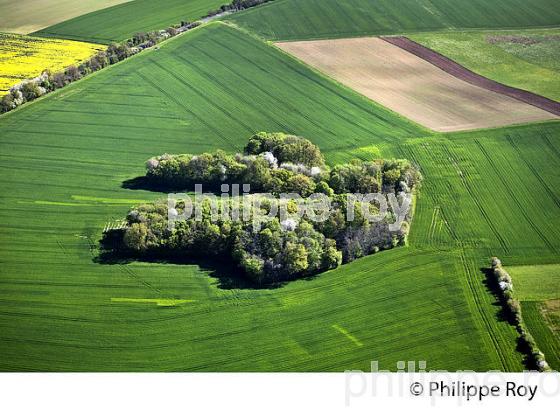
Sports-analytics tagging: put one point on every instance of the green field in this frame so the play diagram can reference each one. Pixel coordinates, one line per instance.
(120, 22)
(540, 328)
(500, 55)
(536, 282)
(307, 19)
(538, 289)
(66, 156)
(25, 16)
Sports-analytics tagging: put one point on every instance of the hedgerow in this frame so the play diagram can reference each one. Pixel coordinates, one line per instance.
(512, 308)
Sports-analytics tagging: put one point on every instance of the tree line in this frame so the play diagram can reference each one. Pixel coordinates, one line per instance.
(502, 284)
(31, 89)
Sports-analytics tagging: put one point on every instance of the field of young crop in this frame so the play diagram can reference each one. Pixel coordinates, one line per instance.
(537, 317)
(26, 16)
(24, 57)
(67, 156)
(312, 19)
(526, 59)
(494, 191)
(537, 287)
(536, 282)
(120, 22)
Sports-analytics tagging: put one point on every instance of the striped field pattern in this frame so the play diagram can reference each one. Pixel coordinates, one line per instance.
(65, 160)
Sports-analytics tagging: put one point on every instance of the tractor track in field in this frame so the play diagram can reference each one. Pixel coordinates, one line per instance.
(551, 146)
(481, 312)
(292, 87)
(477, 201)
(311, 97)
(457, 70)
(514, 198)
(181, 104)
(549, 191)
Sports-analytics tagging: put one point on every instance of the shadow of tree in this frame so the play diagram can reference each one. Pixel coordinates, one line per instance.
(223, 270)
(143, 183)
(492, 285)
(504, 315)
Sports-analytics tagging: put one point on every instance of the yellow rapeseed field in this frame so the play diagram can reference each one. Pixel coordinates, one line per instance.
(24, 57)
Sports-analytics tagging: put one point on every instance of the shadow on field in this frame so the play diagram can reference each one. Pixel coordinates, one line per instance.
(491, 284)
(144, 184)
(222, 270)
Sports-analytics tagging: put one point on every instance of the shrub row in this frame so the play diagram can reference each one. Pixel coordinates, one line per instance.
(512, 308)
(29, 90)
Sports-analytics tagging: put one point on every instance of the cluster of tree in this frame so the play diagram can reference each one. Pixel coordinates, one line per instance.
(374, 176)
(284, 250)
(237, 5)
(279, 163)
(277, 248)
(273, 250)
(272, 162)
(512, 308)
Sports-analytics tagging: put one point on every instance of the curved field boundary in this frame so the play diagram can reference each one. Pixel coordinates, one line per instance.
(462, 73)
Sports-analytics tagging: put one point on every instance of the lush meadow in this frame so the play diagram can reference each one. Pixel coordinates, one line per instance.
(526, 59)
(311, 19)
(67, 156)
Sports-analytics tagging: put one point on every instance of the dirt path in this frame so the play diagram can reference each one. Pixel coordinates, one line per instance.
(457, 70)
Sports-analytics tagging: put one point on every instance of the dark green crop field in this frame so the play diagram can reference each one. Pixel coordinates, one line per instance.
(539, 327)
(67, 155)
(309, 19)
(120, 22)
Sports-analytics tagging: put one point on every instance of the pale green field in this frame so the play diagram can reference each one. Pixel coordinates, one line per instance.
(538, 289)
(525, 59)
(536, 282)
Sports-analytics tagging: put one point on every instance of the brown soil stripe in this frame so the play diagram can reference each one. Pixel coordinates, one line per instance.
(457, 70)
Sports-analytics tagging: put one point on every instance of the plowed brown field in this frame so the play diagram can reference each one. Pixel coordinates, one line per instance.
(411, 86)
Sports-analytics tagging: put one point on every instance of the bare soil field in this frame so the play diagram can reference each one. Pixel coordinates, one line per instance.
(457, 70)
(412, 86)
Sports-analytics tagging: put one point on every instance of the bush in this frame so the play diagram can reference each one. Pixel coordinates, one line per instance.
(286, 148)
(117, 52)
(7, 103)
